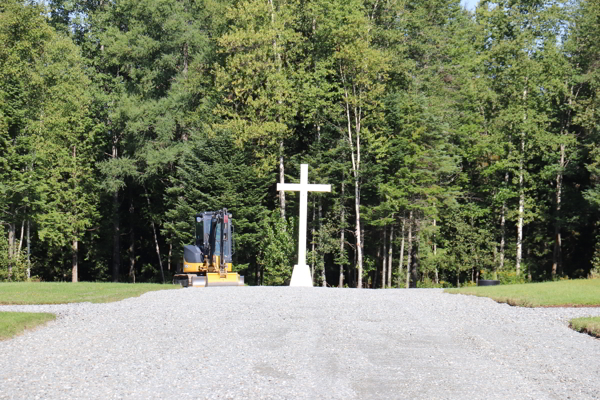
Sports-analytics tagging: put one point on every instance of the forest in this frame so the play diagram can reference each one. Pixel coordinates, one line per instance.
(460, 145)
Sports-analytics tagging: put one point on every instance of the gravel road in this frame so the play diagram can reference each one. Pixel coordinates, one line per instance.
(301, 343)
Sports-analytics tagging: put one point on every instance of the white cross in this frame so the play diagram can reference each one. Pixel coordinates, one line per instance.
(301, 274)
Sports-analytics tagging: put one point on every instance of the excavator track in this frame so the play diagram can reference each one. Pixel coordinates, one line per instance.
(210, 280)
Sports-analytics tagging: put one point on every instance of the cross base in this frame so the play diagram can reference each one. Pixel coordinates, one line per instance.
(301, 276)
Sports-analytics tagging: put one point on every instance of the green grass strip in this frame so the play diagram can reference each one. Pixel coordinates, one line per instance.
(14, 323)
(589, 325)
(67, 292)
(569, 293)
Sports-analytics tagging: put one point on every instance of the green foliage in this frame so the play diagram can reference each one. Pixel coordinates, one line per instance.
(509, 277)
(428, 283)
(17, 263)
(276, 250)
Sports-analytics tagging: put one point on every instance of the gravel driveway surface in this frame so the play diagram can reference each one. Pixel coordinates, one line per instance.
(305, 343)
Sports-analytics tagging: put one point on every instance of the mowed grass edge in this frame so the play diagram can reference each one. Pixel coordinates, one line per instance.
(568, 293)
(27, 293)
(15, 323)
(67, 292)
(571, 293)
(589, 325)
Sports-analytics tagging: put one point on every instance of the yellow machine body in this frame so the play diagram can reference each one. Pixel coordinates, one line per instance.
(208, 261)
(205, 267)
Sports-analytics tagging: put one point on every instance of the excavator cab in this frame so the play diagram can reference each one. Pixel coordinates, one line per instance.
(208, 262)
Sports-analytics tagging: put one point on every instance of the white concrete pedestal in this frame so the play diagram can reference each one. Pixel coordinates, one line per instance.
(301, 276)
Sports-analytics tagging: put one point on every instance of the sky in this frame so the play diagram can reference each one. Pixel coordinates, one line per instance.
(469, 4)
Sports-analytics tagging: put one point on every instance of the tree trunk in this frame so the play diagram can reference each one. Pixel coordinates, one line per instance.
(390, 252)
(312, 243)
(384, 259)
(521, 192)
(132, 255)
(355, 269)
(359, 254)
(376, 277)
(277, 56)
(437, 275)
(169, 257)
(116, 268)
(281, 180)
(74, 266)
(28, 250)
(355, 158)
(321, 255)
(458, 277)
(11, 248)
(401, 262)
(21, 237)
(75, 245)
(342, 232)
(257, 275)
(557, 254)
(409, 252)
(162, 272)
(502, 228)
(414, 267)
(521, 212)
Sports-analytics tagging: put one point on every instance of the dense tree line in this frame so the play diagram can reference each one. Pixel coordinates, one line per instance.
(459, 145)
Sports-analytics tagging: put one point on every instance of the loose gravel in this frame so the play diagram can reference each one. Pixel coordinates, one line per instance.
(301, 343)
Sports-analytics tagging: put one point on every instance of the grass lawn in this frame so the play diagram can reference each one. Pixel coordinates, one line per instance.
(569, 293)
(66, 292)
(590, 325)
(14, 323)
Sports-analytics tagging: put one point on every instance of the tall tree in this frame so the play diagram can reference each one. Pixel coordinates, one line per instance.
(259, 79)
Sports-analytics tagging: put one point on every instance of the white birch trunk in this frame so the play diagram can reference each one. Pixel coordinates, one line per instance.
(502, 230)
(409, 252)
(74, 265)
(342, 232)
(521, 194)
(75, 244)
(390, 252)
(401, 262)
(437, 275)
(354, 142)
(312, 259)
(281, 180)
(28, 250)
(384, 259)
(321, 255)
(11, 248)
(21, 238)
(359, 255)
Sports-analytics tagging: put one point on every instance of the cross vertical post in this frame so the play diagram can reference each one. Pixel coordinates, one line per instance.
(301, 273)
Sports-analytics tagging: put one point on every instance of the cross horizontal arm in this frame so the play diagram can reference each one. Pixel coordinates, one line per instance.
(297, 187)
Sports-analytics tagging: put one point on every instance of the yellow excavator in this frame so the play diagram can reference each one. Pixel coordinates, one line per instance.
(207, 262)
